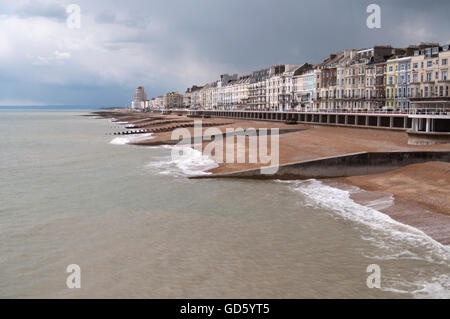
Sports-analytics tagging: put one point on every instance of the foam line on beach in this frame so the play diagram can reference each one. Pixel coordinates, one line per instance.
(183, 161)
(340, 201)
(398, 240)
(132, 138)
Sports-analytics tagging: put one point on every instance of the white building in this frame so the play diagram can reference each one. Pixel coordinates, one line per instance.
(139, 98)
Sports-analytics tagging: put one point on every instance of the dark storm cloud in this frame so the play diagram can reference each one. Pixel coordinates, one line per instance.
(180, 43)
(256, 33)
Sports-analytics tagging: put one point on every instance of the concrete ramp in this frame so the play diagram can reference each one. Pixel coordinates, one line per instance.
(340, 166)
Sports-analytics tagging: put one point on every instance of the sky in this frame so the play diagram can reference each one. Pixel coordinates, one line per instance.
(173, 44)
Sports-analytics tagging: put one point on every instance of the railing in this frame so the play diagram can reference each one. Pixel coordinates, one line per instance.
(412, 111)
(326, 111)
(430, 111)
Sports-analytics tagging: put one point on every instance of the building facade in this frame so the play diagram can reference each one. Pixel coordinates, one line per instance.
(374, 79)
(172, 100)
(139, 98)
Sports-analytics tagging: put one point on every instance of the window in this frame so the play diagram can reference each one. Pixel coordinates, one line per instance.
(444, 75)
(416, 65)
(426, 91)
(444, 61)
(429, 64)
(390, 80)
(390, 69)
(429, 77)
(415, 79)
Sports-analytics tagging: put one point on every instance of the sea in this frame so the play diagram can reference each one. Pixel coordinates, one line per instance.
(136, 226)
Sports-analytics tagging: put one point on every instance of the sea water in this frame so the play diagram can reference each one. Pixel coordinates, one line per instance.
(138, 227)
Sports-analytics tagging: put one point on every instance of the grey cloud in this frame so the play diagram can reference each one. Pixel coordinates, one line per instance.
(241, 36)
(138, 21)
(42, 9)
(107, 18)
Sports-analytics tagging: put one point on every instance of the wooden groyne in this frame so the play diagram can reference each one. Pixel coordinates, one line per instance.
(163, 128)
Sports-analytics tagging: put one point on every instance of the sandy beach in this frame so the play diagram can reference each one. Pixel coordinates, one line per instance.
(420, 191)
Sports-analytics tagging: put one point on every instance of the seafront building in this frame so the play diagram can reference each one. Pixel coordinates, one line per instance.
(257, 89)
(155, 103)
(430, 83)
(172, 100)
(303, 87)
(139, 98)
(411, 82)
(381, 78)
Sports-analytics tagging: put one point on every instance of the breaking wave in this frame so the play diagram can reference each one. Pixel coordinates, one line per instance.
(395, 240)
(131, 138)
(183, 161)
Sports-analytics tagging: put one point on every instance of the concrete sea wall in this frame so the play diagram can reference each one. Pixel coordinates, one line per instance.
(339, 166)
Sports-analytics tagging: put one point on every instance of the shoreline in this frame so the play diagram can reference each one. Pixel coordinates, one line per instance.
(425, 205)
(418, 191)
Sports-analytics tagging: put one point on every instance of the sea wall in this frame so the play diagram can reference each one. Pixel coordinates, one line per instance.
(339, 166)
(428, 138)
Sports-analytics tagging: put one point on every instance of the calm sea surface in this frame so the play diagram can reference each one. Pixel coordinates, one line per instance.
(138, 227)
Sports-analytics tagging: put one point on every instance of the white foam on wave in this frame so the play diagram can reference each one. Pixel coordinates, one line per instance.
(438, 287)
(131, 138)
(340, 202)
(397, 240)
(183, 161)
(116, 121)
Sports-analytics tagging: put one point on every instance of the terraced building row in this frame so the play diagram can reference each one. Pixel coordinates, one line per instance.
(381, 78)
